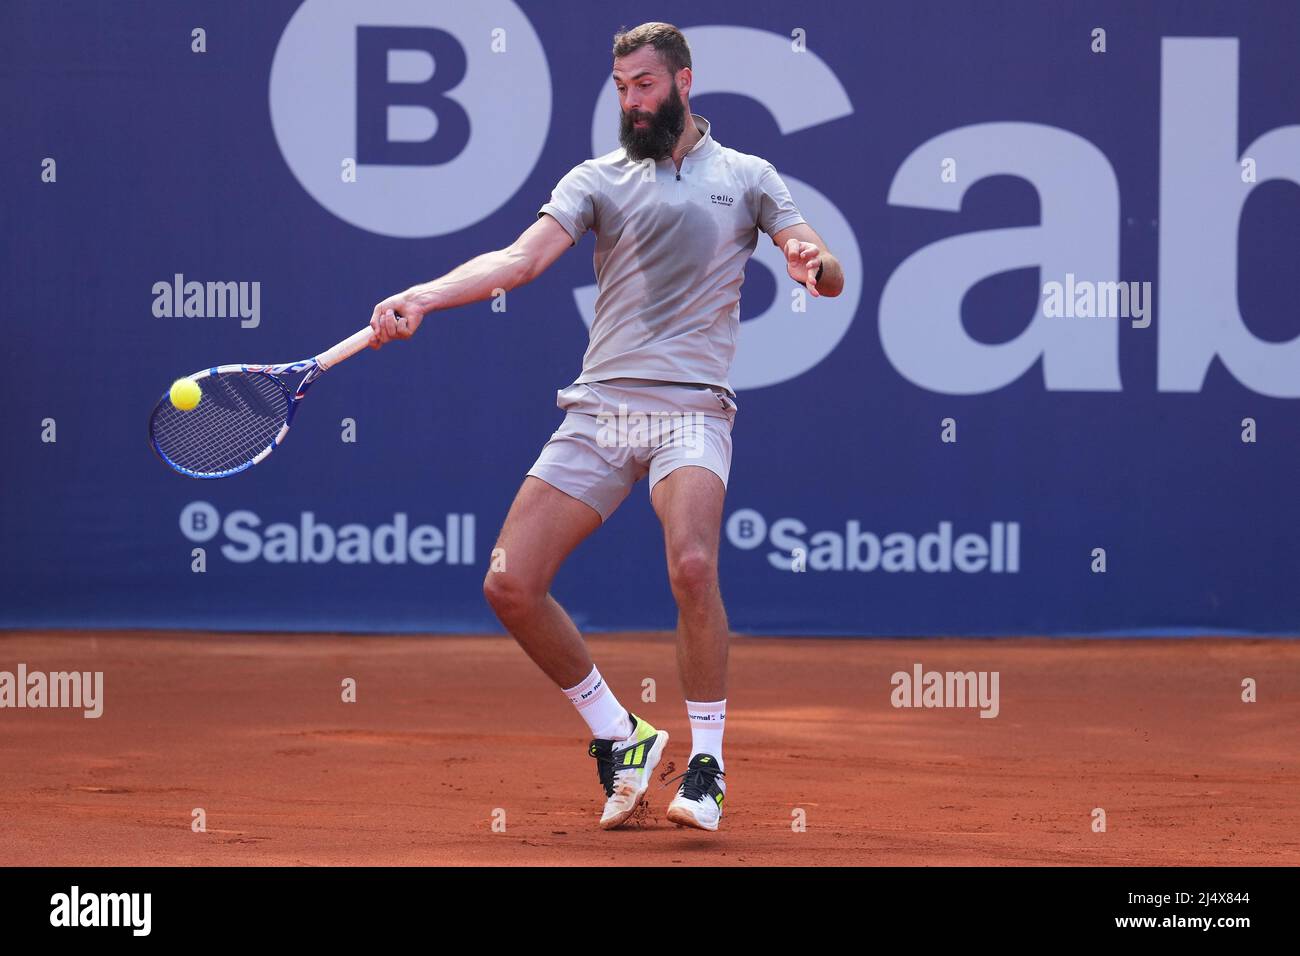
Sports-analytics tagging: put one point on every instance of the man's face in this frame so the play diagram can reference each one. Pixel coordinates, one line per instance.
(652, 114)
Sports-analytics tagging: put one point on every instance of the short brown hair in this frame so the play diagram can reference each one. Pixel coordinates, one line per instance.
(664, 37)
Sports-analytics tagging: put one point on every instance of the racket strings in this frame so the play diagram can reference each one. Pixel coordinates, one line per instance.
(239, 415)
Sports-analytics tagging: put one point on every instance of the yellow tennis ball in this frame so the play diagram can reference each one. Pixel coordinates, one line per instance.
(185, 393)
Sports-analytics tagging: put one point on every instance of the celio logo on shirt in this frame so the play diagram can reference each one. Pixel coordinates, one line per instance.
(722, 200)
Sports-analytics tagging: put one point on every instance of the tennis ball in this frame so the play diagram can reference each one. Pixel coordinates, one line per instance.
(185, 394)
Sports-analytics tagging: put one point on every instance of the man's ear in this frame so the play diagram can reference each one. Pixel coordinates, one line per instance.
(684, 81)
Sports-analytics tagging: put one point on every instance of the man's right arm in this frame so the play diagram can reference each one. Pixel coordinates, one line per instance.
(398, 316)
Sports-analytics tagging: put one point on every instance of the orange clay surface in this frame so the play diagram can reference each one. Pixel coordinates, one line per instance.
(447, 731)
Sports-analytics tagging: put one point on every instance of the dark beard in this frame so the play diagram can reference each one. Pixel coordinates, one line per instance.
(656, 140)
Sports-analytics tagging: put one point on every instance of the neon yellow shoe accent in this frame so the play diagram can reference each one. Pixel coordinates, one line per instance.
(643, 729)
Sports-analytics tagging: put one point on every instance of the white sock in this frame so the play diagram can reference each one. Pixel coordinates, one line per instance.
(708, 720)
(599, 707)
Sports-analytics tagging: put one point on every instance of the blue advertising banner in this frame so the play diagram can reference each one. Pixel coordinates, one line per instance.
(1056, 396)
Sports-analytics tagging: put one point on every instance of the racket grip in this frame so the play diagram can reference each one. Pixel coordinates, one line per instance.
(345, 349)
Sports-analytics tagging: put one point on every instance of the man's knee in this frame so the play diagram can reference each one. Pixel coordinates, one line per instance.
(693, 574)
(511, 596)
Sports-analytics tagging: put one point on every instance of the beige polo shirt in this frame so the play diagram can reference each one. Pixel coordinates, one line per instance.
(671, 248)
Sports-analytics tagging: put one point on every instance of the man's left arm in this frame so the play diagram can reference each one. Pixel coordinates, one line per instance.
(808, 261)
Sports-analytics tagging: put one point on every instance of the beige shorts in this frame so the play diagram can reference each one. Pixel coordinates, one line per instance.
(616, 433)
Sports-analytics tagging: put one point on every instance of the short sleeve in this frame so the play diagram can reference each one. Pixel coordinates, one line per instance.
(776, 210)
(573, 201)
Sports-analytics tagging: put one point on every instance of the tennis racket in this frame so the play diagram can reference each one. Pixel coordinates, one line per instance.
(245, 412)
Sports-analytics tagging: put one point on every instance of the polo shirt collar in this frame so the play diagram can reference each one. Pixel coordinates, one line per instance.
(707, 142)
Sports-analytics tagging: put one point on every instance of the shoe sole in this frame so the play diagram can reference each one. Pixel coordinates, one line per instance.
(683, 817)
(651, 761)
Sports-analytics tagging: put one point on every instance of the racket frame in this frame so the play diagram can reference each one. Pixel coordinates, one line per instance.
(314, 367)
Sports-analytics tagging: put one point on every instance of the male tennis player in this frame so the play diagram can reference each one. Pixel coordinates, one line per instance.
(676, 217)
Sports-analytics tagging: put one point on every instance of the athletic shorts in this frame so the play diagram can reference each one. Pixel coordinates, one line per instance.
(615, 433)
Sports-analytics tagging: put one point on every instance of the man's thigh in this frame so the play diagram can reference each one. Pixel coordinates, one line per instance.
(688, 501)
(542, 528)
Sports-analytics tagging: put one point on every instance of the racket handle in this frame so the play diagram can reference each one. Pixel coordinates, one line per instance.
(345, 349)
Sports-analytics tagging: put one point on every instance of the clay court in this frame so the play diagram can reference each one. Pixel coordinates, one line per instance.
(445, 730)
